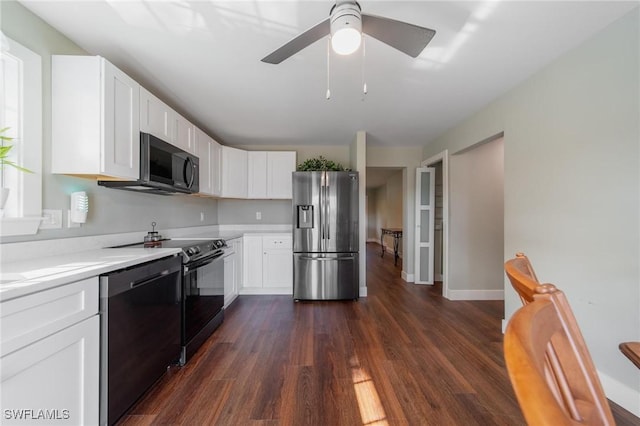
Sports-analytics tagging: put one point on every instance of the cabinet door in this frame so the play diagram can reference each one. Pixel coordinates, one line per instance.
(278, 268)
(229, 279)
(203, 152)
(252, 261)
(58, 374)
(234, 172)
(280, 165)
(121, 138)
(238, 248)
(155, 116)
(184, 133)
(277, 264)
(216, 168)
(257, 174)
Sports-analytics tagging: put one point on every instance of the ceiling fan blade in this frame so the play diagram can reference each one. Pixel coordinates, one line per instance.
(408, 38)
(308, 37)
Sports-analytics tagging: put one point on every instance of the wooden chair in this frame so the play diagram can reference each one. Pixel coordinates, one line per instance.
(550, 368)
(522, 276)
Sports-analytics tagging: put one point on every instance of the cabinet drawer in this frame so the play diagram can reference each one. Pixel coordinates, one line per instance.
(276, 242)
(26, 319)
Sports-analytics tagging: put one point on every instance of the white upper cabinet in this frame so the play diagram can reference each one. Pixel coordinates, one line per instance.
(234, 173)
(269, 174)
(216, 168)
(280, 165)
(95, 118)
(209, 153)
(203, 152)
(160, 120)
(257, 174)
(155, 116)
(184, 133)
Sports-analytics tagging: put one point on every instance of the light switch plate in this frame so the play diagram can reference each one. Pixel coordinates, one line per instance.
(52, 219)
(258, 215)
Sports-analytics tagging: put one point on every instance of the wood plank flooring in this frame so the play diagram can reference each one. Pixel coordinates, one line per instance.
(403, 355)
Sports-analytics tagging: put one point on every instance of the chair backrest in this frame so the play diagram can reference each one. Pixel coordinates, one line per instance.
(550, 367)
(522, 276)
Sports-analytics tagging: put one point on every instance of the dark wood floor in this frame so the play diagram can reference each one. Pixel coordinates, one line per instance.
(403, 355)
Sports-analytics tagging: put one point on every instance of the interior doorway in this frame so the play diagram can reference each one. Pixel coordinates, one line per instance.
(385, 206)
(471, 219)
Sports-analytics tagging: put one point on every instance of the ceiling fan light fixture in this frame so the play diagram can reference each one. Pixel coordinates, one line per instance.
(346, 28)
(346, 41)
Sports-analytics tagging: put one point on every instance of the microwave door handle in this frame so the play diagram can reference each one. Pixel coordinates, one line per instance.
(193, 171)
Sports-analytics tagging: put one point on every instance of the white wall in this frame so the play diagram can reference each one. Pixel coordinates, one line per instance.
(372, 197)
(572, 188)
(476, 231)
(243, 212)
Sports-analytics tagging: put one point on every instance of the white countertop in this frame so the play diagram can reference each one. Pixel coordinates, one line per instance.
(80, 258)
(37, 274)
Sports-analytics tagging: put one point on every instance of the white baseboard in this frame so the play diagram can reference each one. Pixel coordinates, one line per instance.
(363, 291)
(476, 294)
(285, 291)
(407, 277)
(621, 394)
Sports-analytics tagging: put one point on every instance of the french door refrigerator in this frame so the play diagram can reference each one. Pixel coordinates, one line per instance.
(325, 235)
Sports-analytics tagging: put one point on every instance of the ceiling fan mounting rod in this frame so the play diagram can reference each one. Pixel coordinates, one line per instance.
(351, 4)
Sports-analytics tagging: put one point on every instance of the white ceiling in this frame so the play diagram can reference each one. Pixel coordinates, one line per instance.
(203, 59)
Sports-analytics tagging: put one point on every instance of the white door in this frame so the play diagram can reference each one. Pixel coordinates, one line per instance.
(425, 211)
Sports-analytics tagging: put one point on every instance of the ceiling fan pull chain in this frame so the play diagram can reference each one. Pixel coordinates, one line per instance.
(364, 81)
(328, 67)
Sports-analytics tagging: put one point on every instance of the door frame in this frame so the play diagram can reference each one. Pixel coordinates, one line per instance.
(430, 162)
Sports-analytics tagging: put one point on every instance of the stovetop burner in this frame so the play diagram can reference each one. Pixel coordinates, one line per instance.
(192, 249)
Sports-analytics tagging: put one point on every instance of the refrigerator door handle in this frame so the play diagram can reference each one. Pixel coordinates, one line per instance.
(328, 207)
(327, 259)
(321, 216)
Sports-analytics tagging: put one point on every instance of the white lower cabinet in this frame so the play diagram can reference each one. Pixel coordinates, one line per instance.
(268, 264)
(232, 272)
(51, 376)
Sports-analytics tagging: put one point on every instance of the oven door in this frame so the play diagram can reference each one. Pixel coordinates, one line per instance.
(203, 299)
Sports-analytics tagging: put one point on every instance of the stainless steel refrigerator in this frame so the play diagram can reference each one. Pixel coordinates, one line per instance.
(325, 235)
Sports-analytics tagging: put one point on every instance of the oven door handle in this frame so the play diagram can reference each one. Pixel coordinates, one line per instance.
(200, 263)
(148, 280)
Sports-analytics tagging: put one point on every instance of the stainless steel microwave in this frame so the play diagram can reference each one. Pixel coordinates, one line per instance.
(164, 169)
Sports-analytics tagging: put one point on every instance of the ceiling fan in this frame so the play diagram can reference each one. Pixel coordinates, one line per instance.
(346, 23)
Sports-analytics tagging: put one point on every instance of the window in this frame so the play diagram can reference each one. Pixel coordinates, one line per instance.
(21, 112)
